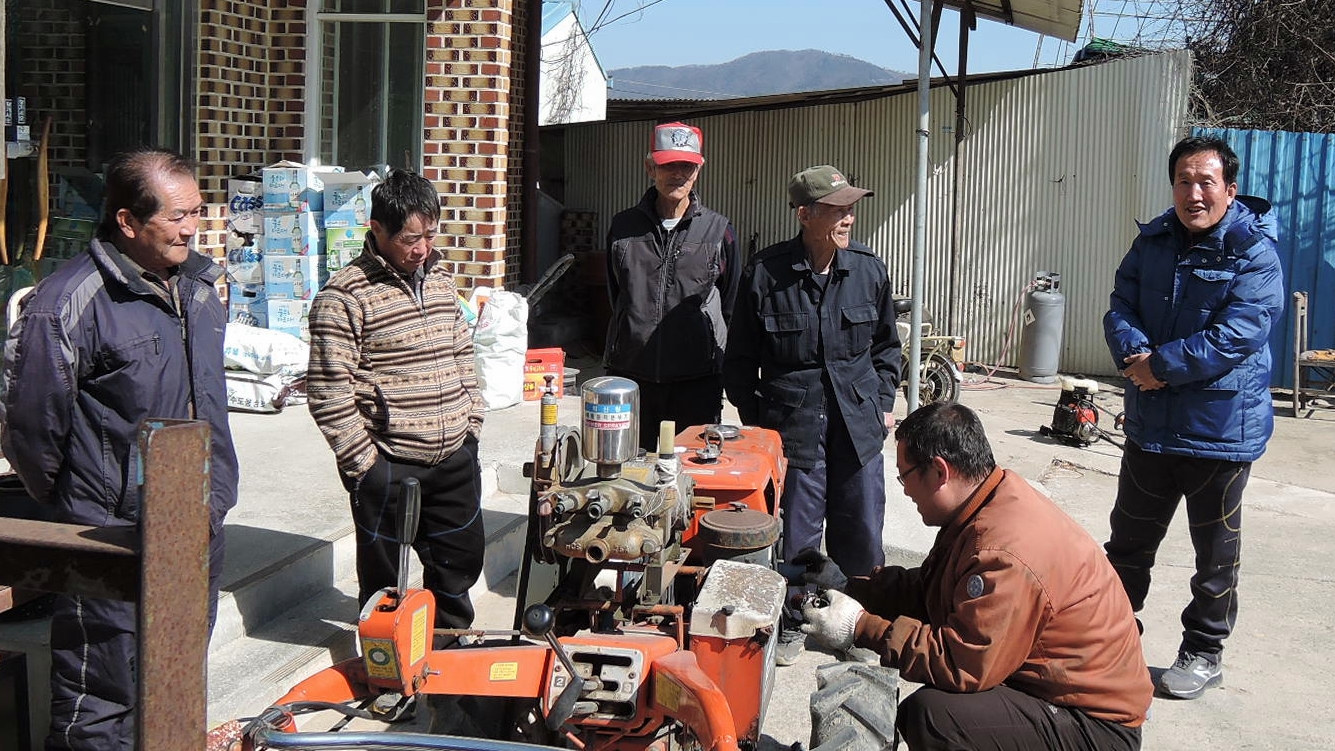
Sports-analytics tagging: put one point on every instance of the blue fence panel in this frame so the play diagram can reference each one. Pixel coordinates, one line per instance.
(1296, 173)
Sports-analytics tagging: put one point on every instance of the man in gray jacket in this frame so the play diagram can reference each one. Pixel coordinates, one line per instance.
(672, 273)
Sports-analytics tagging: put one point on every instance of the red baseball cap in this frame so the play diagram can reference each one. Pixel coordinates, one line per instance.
(676, 142)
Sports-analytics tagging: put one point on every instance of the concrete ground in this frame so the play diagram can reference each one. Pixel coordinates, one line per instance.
(1277, 692)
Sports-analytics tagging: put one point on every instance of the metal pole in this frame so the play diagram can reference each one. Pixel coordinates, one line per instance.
(920, 202)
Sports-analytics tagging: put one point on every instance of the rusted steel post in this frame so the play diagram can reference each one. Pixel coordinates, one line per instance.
(174, 585)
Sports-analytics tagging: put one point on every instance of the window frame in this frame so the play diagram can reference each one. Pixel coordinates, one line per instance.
(315, 36)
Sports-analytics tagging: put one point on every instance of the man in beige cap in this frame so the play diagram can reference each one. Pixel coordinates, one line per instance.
(813, 353)
(672, 271)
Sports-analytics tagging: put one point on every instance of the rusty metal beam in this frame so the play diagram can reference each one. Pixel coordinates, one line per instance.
(72, 558)
(174, 606)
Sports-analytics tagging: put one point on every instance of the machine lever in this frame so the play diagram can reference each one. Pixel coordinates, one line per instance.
(410, 510)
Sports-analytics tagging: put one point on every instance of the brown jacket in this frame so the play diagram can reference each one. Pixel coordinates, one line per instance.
(1014, 592)
(387, 372)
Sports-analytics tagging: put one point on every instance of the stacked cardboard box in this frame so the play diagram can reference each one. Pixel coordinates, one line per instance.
(293, 258)
(244, 251)
(347, 216)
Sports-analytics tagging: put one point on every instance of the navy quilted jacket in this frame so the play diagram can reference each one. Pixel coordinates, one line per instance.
(1205, 310)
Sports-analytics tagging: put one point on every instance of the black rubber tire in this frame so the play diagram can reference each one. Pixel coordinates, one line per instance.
(936, 383)
(854, 708)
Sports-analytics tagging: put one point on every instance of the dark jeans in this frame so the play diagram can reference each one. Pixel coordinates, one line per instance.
(698, 401)
(450, 538)
(1000, 718)
(94, 643)
(1148, 491)
(839, 499)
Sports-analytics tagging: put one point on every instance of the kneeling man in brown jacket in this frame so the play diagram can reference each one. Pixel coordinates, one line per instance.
(1015, 623)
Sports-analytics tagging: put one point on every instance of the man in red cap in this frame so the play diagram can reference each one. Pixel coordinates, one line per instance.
(672, 272)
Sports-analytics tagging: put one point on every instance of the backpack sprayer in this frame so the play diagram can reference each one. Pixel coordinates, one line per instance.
(1075, 421)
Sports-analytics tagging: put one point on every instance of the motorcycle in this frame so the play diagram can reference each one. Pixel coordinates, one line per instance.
(941, 363)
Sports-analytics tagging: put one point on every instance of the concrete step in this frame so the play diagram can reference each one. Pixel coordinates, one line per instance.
(296, 615)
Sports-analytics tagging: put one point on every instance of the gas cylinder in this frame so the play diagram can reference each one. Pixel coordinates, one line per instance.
(1041, 341)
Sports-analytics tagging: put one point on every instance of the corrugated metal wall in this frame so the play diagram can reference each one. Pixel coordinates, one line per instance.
(1055, 168)
(1296, 173)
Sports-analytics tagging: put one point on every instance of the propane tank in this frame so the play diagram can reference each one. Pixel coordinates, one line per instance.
(1041, 344)
(611, 427)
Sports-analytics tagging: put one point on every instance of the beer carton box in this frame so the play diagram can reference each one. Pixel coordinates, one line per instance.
(292, 187)
(245, 256)
(245, 204)
(347, 199)
(342, 245)
(294, 234)
(246, 304)
(290, 316)
(293, 277)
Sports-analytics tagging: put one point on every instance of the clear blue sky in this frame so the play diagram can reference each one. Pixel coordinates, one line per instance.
(685, 32)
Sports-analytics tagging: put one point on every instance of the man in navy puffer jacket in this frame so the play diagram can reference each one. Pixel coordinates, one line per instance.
(1188, 323)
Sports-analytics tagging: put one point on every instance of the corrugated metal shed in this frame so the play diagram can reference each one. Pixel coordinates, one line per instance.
(1296, 173)
(1056, 166)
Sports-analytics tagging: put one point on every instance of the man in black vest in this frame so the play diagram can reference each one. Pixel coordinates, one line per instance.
(672, 272)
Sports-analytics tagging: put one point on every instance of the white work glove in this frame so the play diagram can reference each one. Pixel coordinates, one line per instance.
(833, 625)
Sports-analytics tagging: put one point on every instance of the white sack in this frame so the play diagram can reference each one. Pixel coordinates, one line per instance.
(500, 342)
(264, 352)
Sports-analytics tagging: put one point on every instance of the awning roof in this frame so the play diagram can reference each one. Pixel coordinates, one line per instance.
(1055, 18)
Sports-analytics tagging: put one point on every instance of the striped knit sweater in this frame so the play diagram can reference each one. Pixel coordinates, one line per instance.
(387, 373)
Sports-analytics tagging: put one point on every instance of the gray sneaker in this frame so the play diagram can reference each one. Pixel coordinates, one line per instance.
(791, 642)
(1191, 675)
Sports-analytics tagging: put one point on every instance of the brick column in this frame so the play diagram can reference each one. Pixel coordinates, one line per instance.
(468, 131)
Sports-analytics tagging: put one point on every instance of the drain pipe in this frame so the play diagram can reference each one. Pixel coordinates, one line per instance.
(528, 252)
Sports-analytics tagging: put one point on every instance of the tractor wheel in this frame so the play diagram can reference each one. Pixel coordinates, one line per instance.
(854, 707)
(936, 382)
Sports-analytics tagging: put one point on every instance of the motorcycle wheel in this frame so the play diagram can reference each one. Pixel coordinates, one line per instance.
(936, 382)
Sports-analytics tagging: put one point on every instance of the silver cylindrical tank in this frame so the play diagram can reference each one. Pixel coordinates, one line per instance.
(1041, 343)
(611, 425)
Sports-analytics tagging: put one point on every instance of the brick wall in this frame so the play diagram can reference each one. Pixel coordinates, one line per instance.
(468, 132)
(49, 47)
(235, 93)
(515, 174)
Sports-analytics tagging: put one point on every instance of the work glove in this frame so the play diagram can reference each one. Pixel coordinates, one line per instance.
(824, 573)
(832, 625)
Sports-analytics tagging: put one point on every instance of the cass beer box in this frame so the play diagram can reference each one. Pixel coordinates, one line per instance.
(245, 201)
(244, 256)
(293, 277)
(246, 304)
(347, 199)
(295, 234)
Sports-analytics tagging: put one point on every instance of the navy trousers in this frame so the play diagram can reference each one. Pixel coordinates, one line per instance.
(94, 668)
(839, 499)
(450, 536)
(1003, 719)
(1149, 488)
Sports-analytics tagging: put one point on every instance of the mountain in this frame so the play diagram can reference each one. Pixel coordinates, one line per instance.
(756, 74)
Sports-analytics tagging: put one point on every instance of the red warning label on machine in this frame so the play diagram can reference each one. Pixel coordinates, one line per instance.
(607, 416)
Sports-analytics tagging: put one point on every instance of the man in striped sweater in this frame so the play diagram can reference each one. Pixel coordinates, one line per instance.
(392, 386)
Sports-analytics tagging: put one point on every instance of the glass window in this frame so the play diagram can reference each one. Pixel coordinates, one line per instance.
(371, 109)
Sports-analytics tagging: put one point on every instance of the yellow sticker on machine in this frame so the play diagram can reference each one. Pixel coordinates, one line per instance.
(378, 654)
(667, 692)
(418, 650)
(504, 671)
